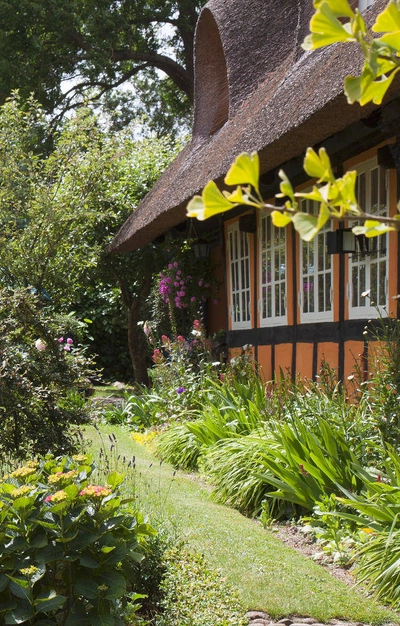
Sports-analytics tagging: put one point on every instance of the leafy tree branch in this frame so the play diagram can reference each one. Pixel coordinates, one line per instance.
(334, 22)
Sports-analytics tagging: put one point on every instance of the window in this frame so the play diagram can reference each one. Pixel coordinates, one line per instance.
(364, 4)
(239, 269)
(368, 268)
(272, 303)
(315, 296)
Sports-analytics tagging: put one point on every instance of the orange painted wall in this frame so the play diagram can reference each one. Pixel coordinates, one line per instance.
(328, 352)
(264, 360)
(353, 351)
(283, 358)
(304, 360)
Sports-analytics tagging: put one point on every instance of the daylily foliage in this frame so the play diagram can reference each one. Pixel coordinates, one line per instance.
(334, 21)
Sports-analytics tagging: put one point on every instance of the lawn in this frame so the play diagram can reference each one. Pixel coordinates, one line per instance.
(269, 575)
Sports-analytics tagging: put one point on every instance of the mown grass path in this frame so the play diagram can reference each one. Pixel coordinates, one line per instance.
(269, 575)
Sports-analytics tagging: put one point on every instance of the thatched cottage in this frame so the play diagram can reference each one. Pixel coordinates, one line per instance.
(256, 89)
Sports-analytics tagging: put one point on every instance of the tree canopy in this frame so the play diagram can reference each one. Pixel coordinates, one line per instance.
(96, 45)
(59, 212)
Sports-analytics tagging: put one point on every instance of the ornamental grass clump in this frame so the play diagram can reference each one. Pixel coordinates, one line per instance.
(68, 547)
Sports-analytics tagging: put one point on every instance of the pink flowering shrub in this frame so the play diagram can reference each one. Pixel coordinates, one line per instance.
(69, 548)
(180, 368)
(183, 291)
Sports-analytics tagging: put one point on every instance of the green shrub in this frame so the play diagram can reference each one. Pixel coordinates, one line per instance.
(38, 369)
(195, 595)
(67, 547)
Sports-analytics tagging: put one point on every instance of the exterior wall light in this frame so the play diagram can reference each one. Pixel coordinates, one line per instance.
(341, 241)
(201, 249)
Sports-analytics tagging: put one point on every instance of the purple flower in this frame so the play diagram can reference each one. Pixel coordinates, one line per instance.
(193, 299)
(180, 390)
(70, 341)
(67, 347)
(60, 339)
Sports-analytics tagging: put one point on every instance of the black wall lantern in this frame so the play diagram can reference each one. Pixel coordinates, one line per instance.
(201, 249)
(344, 241)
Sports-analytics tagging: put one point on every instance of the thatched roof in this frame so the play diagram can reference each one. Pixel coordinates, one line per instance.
(255, 89)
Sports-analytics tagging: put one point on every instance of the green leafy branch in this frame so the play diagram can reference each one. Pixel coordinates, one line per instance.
(336, 198)
(333, 22)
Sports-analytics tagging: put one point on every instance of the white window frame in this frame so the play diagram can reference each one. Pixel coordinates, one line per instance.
(239, 277)
(272, 280)
(361, 268)
(308, 297)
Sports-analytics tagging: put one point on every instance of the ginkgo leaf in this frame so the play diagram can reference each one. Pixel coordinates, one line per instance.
(392, 40)
(326, 29)
(340, 8)
(306, 225)
(244, 171)
(376, 91)
(238, 197)
(309, 225)
(318, 165)
(285, 187)
(210, 203)
(279, 219)
(388, 20)
(372, 228)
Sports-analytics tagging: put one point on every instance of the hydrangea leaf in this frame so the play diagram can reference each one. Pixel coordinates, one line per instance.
(244, 171)
(49, 601)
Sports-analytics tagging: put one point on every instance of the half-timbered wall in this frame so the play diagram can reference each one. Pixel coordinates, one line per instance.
(300, 306)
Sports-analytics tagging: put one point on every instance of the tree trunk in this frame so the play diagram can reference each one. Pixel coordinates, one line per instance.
(136, 339)
(137, 349)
